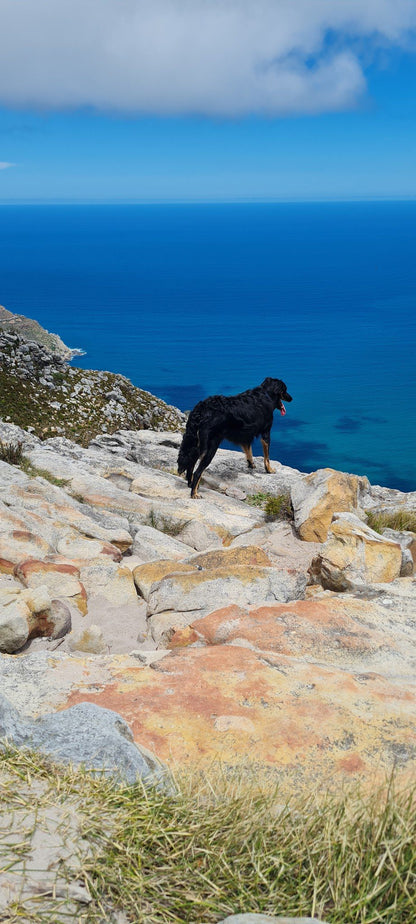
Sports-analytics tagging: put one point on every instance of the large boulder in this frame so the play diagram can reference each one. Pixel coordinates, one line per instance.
(355, 556)
(153, 572)
(319, 495)
(62, 580)
(98, 739)
(151, 544)
(14, 623)
(110, 580)
(28, 613)
(179, 598)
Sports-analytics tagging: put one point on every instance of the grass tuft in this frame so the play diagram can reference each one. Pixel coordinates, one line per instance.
(276, 507)
(11, 452)
(224, 845)
(401, 520)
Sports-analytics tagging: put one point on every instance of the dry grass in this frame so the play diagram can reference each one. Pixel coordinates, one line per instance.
(12, 453)
(396, 519)
(227, 846)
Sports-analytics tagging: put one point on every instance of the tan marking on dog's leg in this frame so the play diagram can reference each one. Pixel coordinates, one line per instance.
(269, 469)
(249, 455)
(194, 492)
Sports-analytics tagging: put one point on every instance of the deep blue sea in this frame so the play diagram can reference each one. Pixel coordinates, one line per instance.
(191, 300)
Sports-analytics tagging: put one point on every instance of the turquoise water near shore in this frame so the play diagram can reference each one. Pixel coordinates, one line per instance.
(190, 300)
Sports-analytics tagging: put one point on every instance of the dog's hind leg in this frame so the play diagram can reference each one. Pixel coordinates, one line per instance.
(265, 442)
(204, 461)
(248, 454)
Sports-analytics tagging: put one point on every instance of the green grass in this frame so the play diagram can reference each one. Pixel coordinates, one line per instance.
(396, 519)
(228, 846)
(13, 454)
(276, 507)
(36, 472)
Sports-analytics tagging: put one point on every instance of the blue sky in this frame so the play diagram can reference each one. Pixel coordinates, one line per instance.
(132, 100)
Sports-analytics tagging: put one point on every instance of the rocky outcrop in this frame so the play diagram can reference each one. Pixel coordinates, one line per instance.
(27, 329)
(319, 495)
(193, 620)
(40, 391)
(354, 556)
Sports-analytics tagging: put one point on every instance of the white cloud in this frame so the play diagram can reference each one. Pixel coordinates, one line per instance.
(4, 164)
(216, 57)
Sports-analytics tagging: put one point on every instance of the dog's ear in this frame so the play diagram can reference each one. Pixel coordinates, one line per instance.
(268, 383)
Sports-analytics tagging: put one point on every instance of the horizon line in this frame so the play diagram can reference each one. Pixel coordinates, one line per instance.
(220, 201)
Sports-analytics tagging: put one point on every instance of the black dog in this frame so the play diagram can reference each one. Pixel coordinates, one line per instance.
(238, 418)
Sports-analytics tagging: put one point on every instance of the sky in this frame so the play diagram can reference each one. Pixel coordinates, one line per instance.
(207, 100)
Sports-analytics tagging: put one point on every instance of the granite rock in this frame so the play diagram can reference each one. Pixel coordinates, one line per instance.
(354, 556)
(319, 495)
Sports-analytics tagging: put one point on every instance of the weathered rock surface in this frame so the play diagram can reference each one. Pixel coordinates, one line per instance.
(178, 597)
(87, 735)
(61, 580)
(252, 664)
(319, 495)
(407, 543)
(28, 329)
(355, 556)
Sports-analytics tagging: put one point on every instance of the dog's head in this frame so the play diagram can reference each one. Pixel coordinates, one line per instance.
(278, 392)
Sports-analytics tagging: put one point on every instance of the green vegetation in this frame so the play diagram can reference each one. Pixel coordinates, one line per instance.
(276, 507)
(13, 454)
(257, 500)
(228, 846)
(397, 519)
(36, 472)
(75, 407)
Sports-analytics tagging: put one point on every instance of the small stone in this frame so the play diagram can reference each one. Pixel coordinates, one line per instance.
(90, 640)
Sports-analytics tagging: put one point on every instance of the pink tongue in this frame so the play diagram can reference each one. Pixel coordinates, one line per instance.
(282, 409)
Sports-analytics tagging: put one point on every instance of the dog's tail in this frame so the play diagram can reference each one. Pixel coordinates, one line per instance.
(189, 448)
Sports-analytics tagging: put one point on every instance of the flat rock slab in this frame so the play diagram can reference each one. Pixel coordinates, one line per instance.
(315, 691)
(344, 631)
(306, 722)
(204, 590)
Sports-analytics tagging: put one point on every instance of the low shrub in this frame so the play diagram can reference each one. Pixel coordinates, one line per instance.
(276, 507)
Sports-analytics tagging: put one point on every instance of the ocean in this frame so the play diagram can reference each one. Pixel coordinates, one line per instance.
(192, 300)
